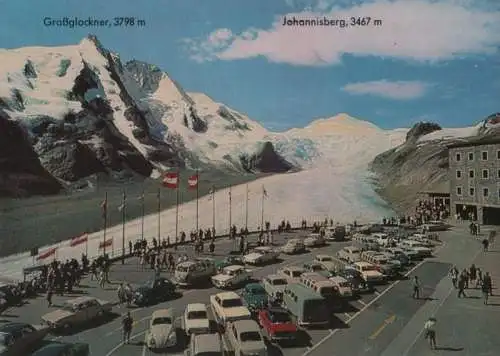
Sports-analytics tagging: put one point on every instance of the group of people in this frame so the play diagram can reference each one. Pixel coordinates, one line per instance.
(63, 276)
(473, 277)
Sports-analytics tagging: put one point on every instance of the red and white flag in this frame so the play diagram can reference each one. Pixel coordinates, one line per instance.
(106, 243)
(46, 254)
(171, 180)
(75, 241)
(193, 182)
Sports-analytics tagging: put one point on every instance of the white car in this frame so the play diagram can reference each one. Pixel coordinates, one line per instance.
(314, 240)
(246, 338)
(228, 307)
(416, 246)
(231, 276)
(274, 283)
(369, 272)
(382, 239)
(195, 319)
(350, 254)
(261, 255)
(293, 246)
(323, 258)
(161, 333)
(291, 273)
(342, 285)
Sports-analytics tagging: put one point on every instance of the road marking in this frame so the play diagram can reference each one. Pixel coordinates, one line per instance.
(374, 300)
(361, 302)
(347, 315)
(435, 310)
(377, 293)
(114, 349)
(387, 321)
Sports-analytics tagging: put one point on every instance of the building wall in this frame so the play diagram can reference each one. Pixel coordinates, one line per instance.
(478, 182)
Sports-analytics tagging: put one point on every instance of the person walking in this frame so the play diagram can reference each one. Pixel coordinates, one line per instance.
(430, 332)
(127, 324)
(479, 279)
(416, 288)
(461, 287)
(50, 293)
(486, 292)
(487, 283)
(454, 276)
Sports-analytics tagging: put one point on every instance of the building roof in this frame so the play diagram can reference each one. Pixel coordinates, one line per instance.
(482, 141)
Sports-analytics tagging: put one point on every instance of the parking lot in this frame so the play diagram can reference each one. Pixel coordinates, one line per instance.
(366, 323)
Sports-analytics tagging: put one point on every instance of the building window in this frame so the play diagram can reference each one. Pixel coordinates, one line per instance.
(486, 174)
(498, 174)
(484, 155)
(471, 192)
(471, 173)
(458, 157)
(471, 156)
(486, 192)
(459, 174)
(498, 154)
(459, 190)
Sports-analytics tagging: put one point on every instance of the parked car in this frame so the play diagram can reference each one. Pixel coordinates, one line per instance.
(162, 333)
(231, 276)
(254, 296)
(229, 261)
(293, 246)
(189, 273)
(336, 233)
(291, 273)
(246, 339)
(417, 247)
(227, 307)
(261, 255)
(278, 324)
(323, 258)
(398, 254)
(356, 280)
(20, 338)
(76, 312)
(350, 254)
(205, 345)
(343, 286)
(154, 291)
(195, 319)
(274, 283)
(314, 240)
(313, 267)
(369, 272)
(63, 349)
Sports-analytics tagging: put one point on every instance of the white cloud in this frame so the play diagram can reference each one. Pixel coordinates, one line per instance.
(422, 30)
(399, 90)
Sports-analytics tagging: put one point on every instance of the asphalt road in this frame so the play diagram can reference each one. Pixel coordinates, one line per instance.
(367, 327)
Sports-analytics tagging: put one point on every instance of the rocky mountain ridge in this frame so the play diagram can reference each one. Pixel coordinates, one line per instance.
(71, 112)
(421, 163)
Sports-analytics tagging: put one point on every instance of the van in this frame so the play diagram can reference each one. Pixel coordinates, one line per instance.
(306, 306)
(319, 284)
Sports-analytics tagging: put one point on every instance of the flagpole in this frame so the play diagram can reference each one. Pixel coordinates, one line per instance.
(159, 215)
(262, 212)
(246, 209)
(105, 218)
(142, 219)
(177, 212)
(124, 199)
(213, 209)
(197, 200)
(230, 209)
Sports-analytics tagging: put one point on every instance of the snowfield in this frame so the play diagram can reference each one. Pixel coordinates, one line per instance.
(451, 133)
(334, 153)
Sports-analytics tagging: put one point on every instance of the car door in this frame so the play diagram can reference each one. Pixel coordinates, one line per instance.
(92, 309)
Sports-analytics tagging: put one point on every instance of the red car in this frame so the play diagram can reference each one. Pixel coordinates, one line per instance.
(278, 324)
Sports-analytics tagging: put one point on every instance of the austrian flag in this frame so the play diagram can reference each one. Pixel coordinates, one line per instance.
(75, 241)
(193, 182)
(171, 180)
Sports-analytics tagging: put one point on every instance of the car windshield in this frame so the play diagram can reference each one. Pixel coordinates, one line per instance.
(231, 303)
(182, 269)
(250, 336)
(4, 339)
(327, 291)
(280, 317)
(369, 268)
(229, 272)
(279, 282)
(198, 314)
(344, 284)
(257, 290)
(69, 307)
(316, 268)
(162, 320)
(296, 274)
(326, 259)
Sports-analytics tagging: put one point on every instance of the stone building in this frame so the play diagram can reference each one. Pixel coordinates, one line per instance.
(475, 180)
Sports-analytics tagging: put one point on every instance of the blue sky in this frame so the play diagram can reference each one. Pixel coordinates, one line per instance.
(429, 60)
